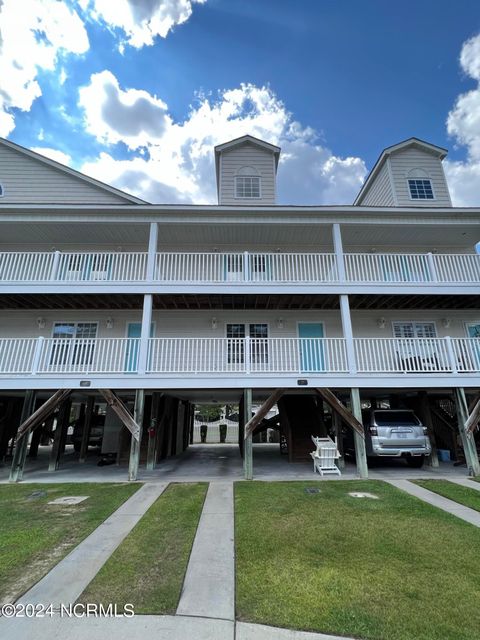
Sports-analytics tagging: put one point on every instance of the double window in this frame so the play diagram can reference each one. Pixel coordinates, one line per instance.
(73, 343)
(414, 330)
(258, 344)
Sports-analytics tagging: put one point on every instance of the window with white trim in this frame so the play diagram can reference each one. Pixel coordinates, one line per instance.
(414, 330)
(420, 189)
(73, 343)
(247, 186)
(258, 332)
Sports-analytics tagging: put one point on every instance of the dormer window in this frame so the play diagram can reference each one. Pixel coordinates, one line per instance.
(247, 187)
(420, 189)
(247, 183)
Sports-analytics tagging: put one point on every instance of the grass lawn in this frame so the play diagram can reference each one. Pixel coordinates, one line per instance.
(389, 569)
(458, 493)
(34, 535)
(147, 569)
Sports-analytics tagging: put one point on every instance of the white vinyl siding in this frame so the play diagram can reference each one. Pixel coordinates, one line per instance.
(402, 162)
(232, 160)
(26, 180)
(380, 193)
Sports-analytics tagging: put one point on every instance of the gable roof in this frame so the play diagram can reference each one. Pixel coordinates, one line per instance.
(71, 172)
(242, 140)
(438, 152)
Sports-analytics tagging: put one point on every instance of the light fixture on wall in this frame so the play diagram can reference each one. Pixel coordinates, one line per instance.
(381, 323)
(214, 323)
(109, 322)
(446, 322)
(41, 323)
(279, 323)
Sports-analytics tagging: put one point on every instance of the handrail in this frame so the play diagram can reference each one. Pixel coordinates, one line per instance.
(279, 356)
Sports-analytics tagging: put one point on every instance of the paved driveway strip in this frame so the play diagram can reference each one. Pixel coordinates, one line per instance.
(458, 510)
(209, 586)
(68, 579)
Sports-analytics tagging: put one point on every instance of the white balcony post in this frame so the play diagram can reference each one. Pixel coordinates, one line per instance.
(37, 354)
(452, 359)
(247, 354)
(246, 266)
(152, 251)
(348, 333)
(145, 333)
(55, 265)
(432, 267)
(338, 248)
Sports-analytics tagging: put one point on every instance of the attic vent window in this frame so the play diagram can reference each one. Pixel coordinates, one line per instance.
(420, 189)
(247, 187)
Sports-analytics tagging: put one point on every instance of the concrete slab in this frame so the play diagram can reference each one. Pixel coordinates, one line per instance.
(135, 628)
(464, 513)
(68, 579)
(209, 585)
(248, 631)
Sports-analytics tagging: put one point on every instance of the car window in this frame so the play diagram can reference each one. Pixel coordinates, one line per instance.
(389, 418)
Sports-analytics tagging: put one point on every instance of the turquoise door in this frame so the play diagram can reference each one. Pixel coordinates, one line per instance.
(474, 332)
(311, 348)
(131, 354)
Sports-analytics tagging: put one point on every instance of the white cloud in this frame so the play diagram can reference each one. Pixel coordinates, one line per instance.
(113, 115)
(175, 161)
(141, 20)
(463, 124)
(33, 36)
(53, 154)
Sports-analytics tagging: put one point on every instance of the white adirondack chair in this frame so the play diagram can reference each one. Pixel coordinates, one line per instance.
(325, 455)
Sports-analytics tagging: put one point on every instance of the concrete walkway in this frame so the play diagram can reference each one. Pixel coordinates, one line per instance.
(209, 585)
(458, 510)
(69, 578)
(141, 627)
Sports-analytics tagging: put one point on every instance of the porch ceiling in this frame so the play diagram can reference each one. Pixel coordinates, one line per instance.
(199, 235)
(225, 301)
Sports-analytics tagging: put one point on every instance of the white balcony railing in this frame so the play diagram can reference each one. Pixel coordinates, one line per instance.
(276, 356)
(241, 268)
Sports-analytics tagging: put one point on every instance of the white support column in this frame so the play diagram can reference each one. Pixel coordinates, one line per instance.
(348, 333)
(338, 248)
(432, 267)
(145, 333)
(152, 251)
(55, 265)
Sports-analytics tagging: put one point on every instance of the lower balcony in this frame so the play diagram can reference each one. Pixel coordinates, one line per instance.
(228, 362)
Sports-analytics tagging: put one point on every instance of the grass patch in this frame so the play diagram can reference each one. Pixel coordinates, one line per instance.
(388, 569)
(147, 569)
(458, 493)
(34, 535)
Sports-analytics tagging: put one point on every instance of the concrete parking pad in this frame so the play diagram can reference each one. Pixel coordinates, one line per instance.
(209, 586)
(464, 513)
(67, 580)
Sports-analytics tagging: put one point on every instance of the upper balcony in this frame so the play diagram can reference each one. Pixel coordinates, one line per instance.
(238, 272)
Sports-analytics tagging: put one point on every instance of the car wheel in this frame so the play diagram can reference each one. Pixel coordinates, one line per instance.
(416, 462)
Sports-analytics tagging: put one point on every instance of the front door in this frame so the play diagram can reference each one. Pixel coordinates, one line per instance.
(134, 330)
(311, 348)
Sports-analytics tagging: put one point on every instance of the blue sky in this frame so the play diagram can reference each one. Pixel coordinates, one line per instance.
(137, 92)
